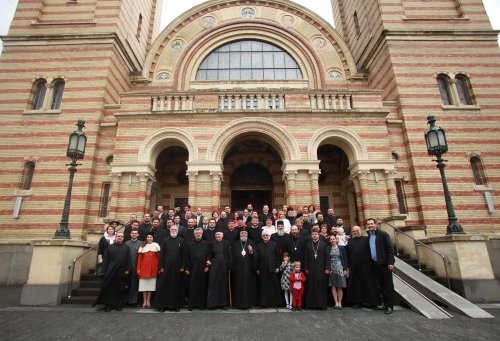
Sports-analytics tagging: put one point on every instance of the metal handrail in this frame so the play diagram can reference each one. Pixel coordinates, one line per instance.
(72, 267)
(418, 243)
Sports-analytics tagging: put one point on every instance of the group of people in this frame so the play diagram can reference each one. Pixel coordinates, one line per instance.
(267, 259)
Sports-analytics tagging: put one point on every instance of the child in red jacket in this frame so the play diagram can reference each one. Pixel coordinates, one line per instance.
(297, 279)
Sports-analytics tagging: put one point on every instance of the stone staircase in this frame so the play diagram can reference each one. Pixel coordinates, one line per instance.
(86, 293)
(414, 263)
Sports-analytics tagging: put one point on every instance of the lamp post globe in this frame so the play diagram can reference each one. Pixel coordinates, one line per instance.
(437, 145)
(76, 151)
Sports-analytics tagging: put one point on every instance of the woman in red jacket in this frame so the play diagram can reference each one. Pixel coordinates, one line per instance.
(147, 269)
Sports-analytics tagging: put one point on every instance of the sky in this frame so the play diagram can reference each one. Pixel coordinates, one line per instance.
(172, 9)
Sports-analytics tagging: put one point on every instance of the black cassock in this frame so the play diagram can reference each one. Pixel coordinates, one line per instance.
(316, 261)
(196, 256)
(296, 247)
(209, 235)
(218, 293)
(244, 278)
(115, 285)
(188, 235)
(169, 291)
(361, 286)
(268, 261)
(231, 236)
(281, 242)
(255, 234)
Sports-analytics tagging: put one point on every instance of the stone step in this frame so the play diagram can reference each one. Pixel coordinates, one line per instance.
(89, 277)
(79, 300)
(85, 292)
(90, 284)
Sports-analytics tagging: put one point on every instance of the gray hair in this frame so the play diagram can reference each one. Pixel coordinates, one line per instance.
(198, 229)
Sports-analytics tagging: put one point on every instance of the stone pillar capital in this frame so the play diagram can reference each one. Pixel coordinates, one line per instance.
(314, 173)
(289, 175)
(143, 176)
(216, 175)
(390, 173)
(192, 175)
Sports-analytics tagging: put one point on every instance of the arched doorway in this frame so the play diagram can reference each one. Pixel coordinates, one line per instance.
(336, 190)
(171, 188)
(253, 168)
(251, 183)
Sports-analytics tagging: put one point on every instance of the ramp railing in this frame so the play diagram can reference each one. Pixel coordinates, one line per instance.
(417, 243)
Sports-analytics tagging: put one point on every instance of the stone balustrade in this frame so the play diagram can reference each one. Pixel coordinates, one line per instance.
(334, 101)
(268, 101)
(172, 103)
(254, 101)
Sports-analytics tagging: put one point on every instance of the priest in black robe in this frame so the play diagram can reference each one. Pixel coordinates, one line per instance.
(231, 234)
(188, 233)
(196, 266)
(133, 244)
(255, 230)
(244, 278)
(169, 290)
(362, 286)
(268, 263)
(218, 285)
(296, 245)
(317, 267)
(209, 233)
(116, 266)
(281, 238)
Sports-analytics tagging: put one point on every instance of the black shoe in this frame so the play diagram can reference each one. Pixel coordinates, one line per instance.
(388, 310)
(119, 309)
(356, 306)
(107, 309)
(381, 307)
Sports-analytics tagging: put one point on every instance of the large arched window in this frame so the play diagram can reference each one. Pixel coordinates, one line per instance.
(248, 60)
(478, 171)
(463, 89)
(57, 92)
(444, 89)
(39, 90)
(27, 177)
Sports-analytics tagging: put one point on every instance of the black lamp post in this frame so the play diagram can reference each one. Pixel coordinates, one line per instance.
(75, 151)
(437, 146)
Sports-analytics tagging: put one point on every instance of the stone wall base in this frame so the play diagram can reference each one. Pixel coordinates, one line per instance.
(43, 294)
(477, 291)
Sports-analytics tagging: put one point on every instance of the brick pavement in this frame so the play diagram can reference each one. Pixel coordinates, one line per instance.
(76, 322)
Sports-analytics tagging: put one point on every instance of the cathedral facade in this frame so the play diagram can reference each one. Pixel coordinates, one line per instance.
(256, 101)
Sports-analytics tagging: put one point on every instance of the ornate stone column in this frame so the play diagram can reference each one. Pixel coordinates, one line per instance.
(192, 176)
(358, 197)
(391, 192)
(115, 190)
(143, 186)
(216, 188)
(360, 180)
(314, 176)
(289, 178)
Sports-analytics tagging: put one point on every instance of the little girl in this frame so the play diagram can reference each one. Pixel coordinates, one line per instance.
(286, 267)
(297, 279)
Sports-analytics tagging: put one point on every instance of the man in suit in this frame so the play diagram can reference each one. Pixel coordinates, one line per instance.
(382, 255)
(199, 217)
(204, 223)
